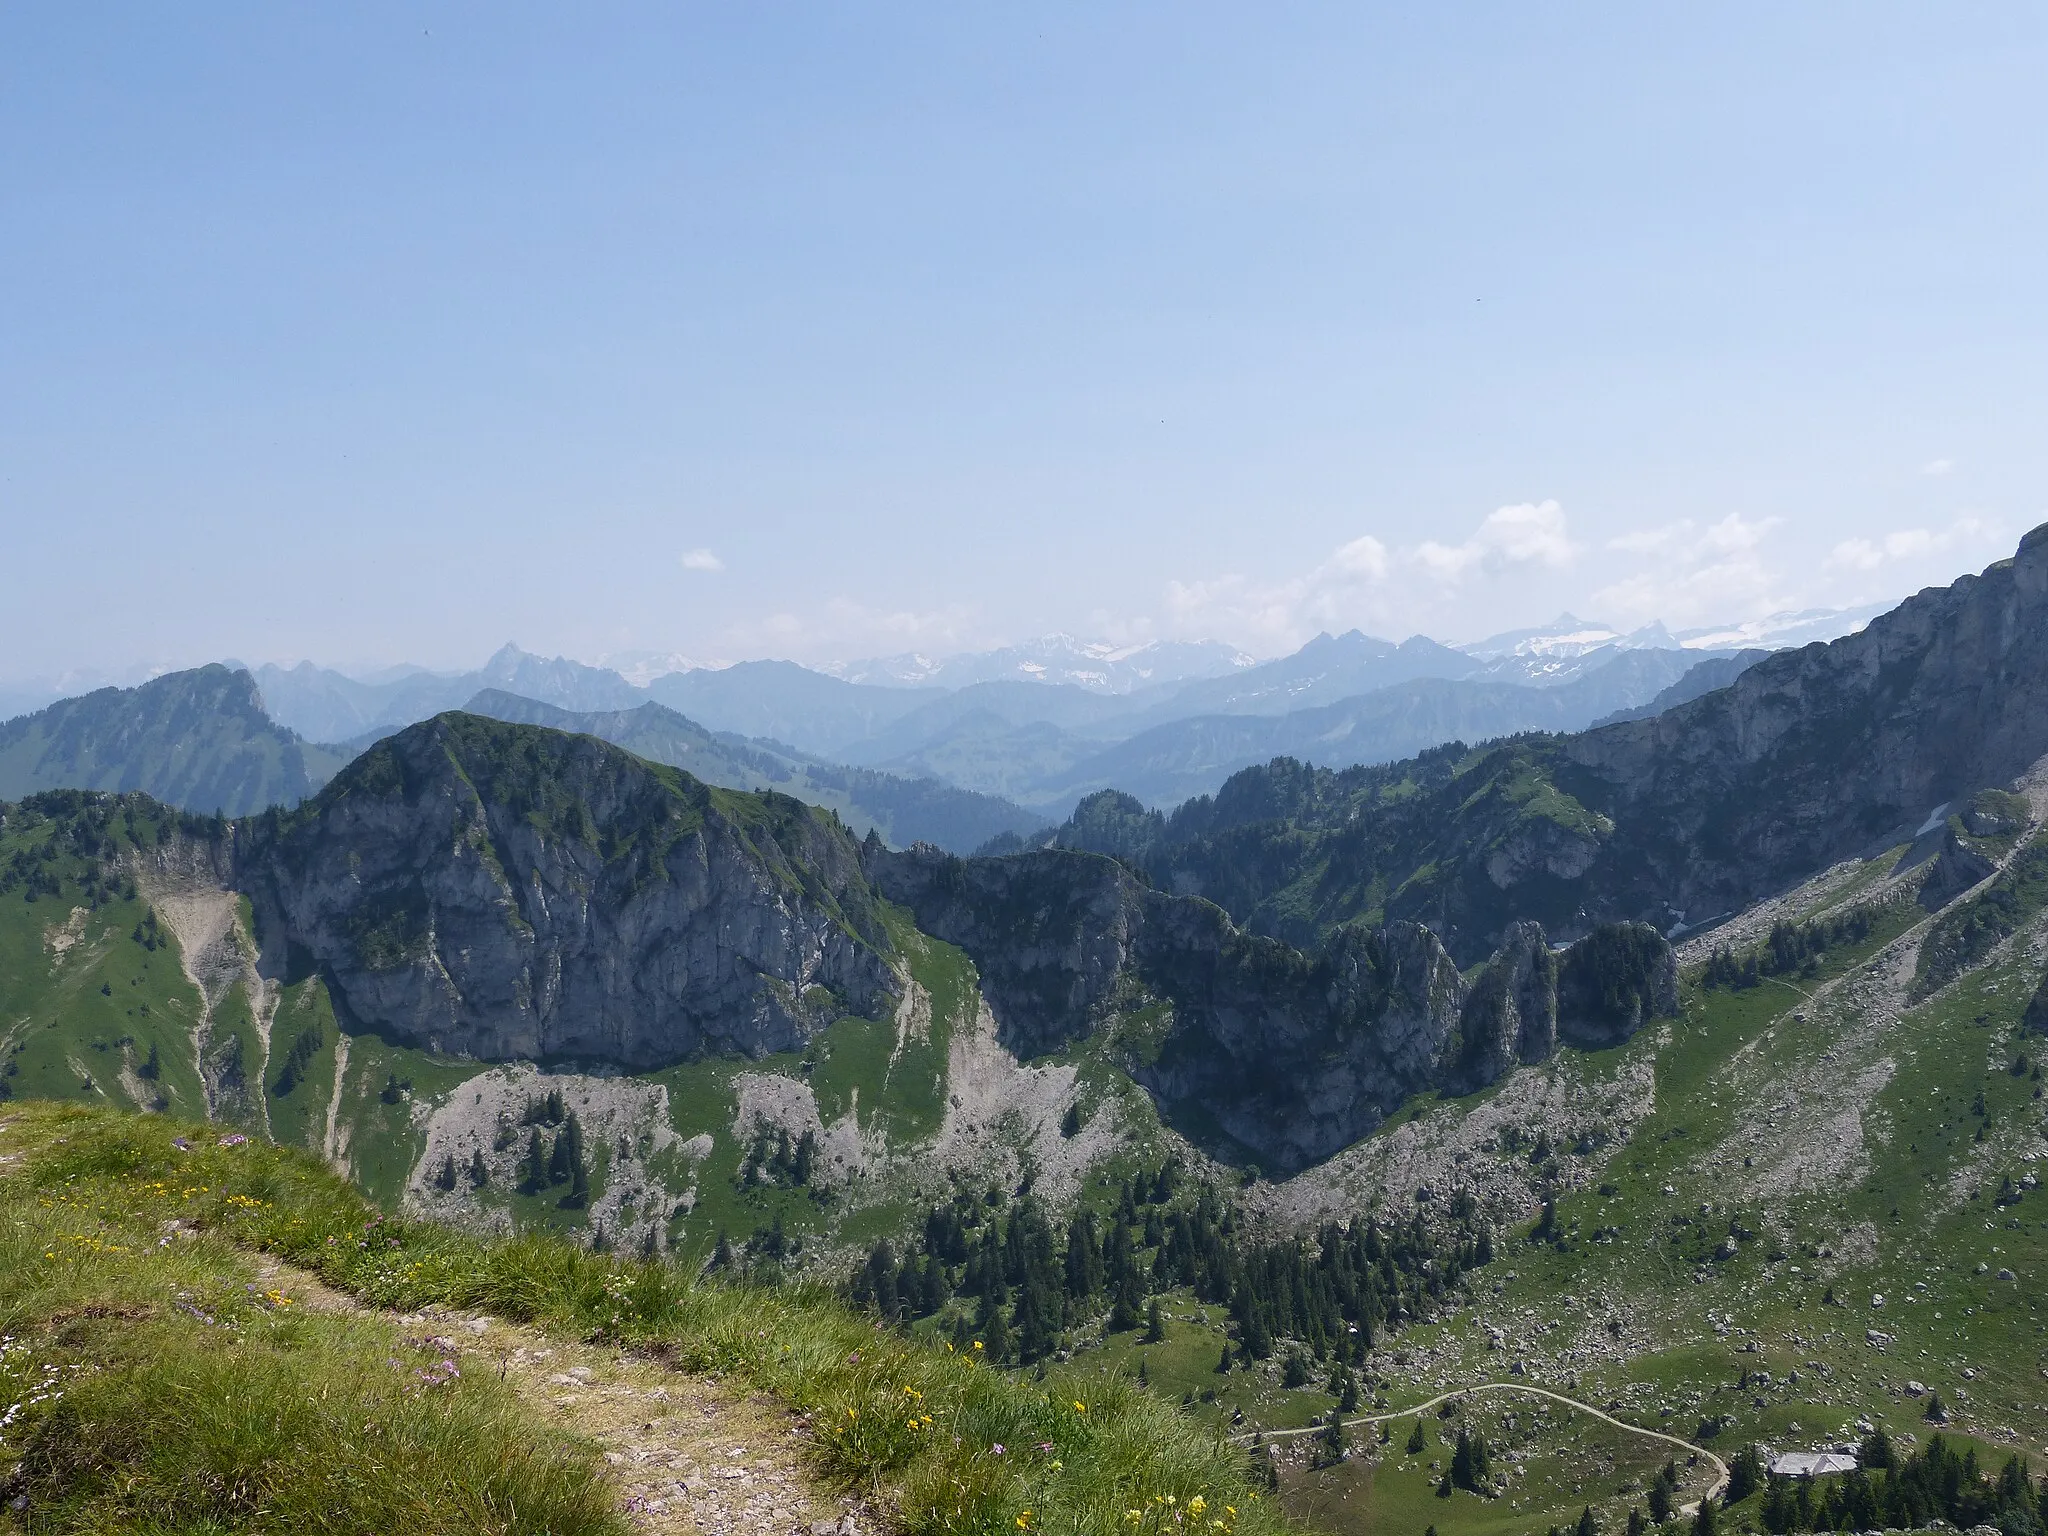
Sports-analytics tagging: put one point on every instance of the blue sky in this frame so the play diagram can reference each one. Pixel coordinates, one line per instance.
(367, 333)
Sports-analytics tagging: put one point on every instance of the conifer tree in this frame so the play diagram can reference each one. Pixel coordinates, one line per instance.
(479, 1173)
(1587, 1526)
(1332, 1449)
(1745, 1474)
(1155, 1325)
(1707, 1521)
(1417, 1440)
(534, 1168)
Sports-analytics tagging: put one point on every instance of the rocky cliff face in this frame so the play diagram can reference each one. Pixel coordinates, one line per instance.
(1291, 1055)
(1817, 754)
(502, 891)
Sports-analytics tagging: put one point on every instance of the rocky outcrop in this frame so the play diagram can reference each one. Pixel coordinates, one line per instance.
(1612, 982)
(506, 892)
(1510, 1015)
(1954, 868)
(1288, 1055)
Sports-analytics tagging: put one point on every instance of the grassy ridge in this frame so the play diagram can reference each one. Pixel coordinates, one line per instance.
(962, 1448)
(148, 1384)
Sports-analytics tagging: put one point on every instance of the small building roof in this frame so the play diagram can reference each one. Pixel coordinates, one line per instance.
(1811, 1463)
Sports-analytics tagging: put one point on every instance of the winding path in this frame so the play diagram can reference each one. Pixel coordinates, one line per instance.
(1713, 1490)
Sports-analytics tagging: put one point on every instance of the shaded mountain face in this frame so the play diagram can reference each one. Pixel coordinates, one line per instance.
(198, 740)
(1808, 757)
(901, 810)
(1264, 1049)
(501, 891)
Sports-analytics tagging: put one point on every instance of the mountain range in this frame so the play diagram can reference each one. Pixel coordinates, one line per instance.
(1677, 1053)
(1175, 721)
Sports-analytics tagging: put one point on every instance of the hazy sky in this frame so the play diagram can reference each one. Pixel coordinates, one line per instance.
(367, 333)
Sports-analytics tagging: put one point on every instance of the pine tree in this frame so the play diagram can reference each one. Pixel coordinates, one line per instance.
(1155, 1325)
(1332, 1448)
(559, 1166)
(1144, 1376)
(994, 1329)
(1637, 1524)
(1707, 1521)
(882, 1287)
(153, 1068)
(1660, 1501)
(721, 1256)
(1745, 1474)
(1418, 1442)
(1124, 1315)
(534, 1169)
(479, 1174)
(1587, 1525)
(1223, 1365)
(444, 1176)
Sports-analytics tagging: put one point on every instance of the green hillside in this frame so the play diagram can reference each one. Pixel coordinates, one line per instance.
(199, 740)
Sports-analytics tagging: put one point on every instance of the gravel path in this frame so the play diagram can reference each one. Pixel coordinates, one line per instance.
(1720, 1467)
(687, 1453)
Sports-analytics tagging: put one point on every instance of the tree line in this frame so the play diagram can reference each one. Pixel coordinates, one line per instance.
(1014, 1278)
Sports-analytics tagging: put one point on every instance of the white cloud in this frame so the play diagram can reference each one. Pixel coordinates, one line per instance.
(701, 560)
(1697, 575)
(1938, 467)
(1526, 534)
(1364, 557)
(1358, 584)
(1906, 544)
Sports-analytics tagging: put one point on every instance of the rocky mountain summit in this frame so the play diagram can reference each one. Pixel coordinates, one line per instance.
(500, 891)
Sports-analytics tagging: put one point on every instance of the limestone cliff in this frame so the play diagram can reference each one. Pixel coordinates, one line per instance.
(1289, 1054)
(502, 891)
